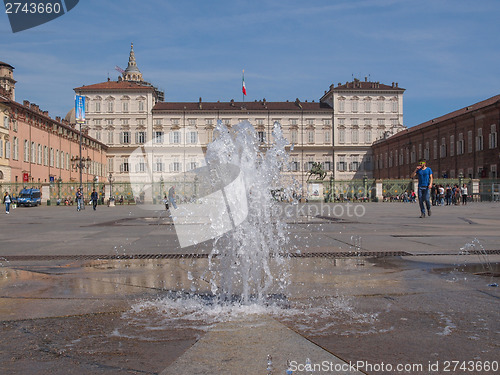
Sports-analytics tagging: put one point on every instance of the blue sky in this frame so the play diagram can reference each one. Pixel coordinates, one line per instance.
(445, 54)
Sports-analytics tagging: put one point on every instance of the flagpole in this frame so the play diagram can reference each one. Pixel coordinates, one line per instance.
(242, 93)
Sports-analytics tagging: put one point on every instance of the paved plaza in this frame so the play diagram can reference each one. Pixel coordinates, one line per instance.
(98, 292)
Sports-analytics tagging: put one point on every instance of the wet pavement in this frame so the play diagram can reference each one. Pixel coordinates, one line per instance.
(64, 311)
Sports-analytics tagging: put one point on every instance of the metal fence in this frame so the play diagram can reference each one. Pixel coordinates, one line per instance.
(489, 190)
(332, 190)
(348, 190)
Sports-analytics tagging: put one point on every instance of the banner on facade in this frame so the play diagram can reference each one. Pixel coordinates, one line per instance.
(80, 109)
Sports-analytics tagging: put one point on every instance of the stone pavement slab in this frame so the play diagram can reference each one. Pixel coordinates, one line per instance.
(242, 347)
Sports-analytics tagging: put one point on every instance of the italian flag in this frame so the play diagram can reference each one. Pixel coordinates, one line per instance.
(243, 88)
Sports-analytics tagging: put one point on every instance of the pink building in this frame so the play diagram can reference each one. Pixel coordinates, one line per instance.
(41, 148)
(36, 149)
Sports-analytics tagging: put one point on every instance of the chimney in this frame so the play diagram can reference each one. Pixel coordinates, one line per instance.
(232, 102)
(26, 103)
(58, 119)
(366, 79)
(199, 104)
(46, 113)
(393, 85)
(396, 84)
(339, 84)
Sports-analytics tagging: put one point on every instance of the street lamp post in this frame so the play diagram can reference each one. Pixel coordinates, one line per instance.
(111, 200)
(195, 186)
(160, 195)
(59, 182)
(365, 186)
(80, 163)
(80, 157)
(110, 179)
(331, 188)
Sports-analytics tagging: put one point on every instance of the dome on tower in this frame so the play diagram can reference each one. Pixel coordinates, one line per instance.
(132, 73)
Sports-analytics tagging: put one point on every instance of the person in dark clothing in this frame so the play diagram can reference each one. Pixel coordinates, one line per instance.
(94, 197)
(434, 194)
(79, 200)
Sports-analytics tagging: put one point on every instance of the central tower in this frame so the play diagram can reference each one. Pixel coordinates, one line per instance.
(132, 73)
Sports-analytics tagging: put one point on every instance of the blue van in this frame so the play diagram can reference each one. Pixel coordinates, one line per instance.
(29, 197)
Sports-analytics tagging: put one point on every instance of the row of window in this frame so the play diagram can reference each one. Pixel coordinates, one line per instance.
(355, 136)
(158, 166)
(109, 106)
(353, 164)
(228, 122)
(176, 166)
(368, 122)
(42, 155)
(294, 136)
(123, 121)
(342, 165)
(176, 137)
(366, 105)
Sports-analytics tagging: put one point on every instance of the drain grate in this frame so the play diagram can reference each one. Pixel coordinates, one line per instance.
(377, 254)
(350, 254)
(332, 255)
(14, 258)
(465, 252)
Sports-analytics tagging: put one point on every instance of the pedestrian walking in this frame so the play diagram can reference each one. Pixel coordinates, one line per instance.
(448, 195)
(464, 192)
(441, 195)
(7, 200)
(171, 197)
(425, 180)
(456, 195)
(79, 198)
(434, 194)
(94, 197)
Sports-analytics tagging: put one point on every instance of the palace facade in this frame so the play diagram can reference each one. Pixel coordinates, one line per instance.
(336, 131)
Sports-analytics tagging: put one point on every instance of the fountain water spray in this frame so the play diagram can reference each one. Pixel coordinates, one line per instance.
(245, 261)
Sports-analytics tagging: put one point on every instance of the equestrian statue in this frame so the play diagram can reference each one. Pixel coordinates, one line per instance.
(317, 170)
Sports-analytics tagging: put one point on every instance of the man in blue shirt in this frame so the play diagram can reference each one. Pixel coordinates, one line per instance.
(425, 180)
